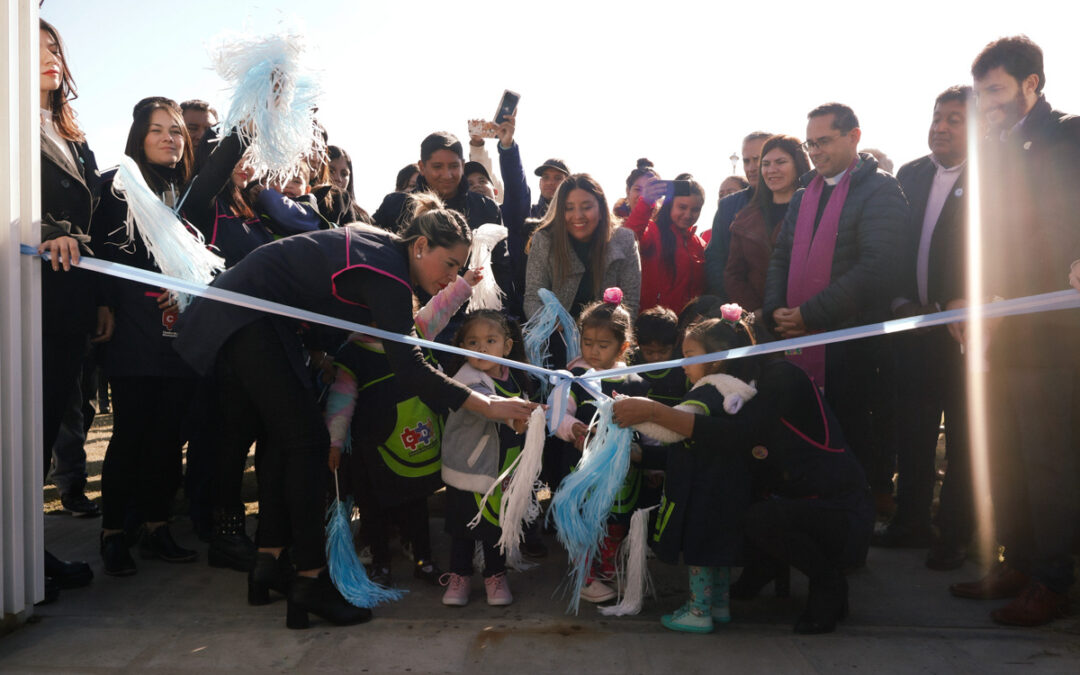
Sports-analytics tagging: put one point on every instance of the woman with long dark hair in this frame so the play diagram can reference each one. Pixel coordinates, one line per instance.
(70, 315)
(757, 225)
(337, 197)
(672, 253)
(578, 251)
(151, 387)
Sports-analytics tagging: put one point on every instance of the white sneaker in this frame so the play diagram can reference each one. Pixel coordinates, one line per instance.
(598, 591)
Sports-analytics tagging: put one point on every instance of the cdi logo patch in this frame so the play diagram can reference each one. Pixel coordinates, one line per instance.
(418, 437)
(168, 321)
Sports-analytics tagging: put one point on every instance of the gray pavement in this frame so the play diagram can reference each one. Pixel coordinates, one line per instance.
(193, 618)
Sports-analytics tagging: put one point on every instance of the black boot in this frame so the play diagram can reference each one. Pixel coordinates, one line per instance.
(67, 574)
(318, 596)
(161, 545)
(826, 605)
(116, 556)
(756, 575)
(230, 546)
(269, 574)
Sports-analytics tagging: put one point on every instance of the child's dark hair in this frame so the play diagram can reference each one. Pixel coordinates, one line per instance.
(717, 335)
(701, 307)
(509, 328)
(644, 168)
(610, 315)
(657, 325)
(667, 229)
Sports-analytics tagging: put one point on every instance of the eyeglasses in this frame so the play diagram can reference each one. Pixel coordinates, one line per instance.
(822, 142)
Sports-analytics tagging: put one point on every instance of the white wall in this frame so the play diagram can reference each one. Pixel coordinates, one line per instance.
(21, 525)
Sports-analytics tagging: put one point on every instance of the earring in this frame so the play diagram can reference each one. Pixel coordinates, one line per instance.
(417, 256)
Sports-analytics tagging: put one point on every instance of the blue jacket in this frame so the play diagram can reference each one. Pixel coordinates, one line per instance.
(716, 253)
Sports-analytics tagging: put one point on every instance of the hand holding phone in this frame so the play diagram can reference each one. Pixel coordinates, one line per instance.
(507, 106)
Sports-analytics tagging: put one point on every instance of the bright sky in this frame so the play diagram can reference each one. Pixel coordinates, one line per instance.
(678, 82)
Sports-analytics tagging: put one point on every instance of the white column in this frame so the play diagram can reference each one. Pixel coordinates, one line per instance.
(21, 525)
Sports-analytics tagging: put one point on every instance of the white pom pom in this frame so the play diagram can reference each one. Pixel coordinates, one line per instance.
(632, 569)
(486, 294)
(273, 101)
(178, 250)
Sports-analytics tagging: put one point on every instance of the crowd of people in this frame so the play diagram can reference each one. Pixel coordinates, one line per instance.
(761, 463)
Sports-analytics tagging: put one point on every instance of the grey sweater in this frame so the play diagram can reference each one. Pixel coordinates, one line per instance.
(622, 268)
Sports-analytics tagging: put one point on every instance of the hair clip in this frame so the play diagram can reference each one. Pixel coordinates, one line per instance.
(731, 313)
(613, 295)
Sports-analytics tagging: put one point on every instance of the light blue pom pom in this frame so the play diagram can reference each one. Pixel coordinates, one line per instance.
(581, 506)
(273, 102)
(538, 329)
(346, 570)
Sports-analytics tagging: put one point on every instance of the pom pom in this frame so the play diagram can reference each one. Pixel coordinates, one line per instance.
(346, 570)
(518, 506)
(613, 295)
(486, 294)
(273, 101)
(631, 568)
(583, 501)
(731, 312)
(177, 250)
(538, 329)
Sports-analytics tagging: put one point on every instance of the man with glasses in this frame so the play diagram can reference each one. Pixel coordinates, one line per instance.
(835, 265)
(1030, 202)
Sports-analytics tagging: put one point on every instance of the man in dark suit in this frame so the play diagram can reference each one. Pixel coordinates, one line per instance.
(1030, 205)
(931, 374)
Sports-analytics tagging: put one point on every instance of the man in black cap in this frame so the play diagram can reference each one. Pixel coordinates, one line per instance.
(551, 173)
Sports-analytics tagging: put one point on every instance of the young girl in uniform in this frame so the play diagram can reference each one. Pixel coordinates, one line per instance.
(606, 334)
(476, 451)
(395, 459)
(780, 436)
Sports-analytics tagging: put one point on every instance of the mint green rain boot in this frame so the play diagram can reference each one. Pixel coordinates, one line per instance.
(694, 616)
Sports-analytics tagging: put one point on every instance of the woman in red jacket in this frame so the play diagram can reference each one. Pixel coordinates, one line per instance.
(672, 254)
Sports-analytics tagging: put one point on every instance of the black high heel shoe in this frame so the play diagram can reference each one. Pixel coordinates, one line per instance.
(269, 574)
(318, 596)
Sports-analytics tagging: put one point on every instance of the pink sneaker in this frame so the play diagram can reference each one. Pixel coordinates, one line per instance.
(457, 589)
(498, 590)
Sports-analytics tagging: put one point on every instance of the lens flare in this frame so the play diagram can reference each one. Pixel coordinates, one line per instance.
(975, 350)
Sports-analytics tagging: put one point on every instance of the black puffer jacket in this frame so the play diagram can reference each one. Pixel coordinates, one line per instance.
(477, 209)
(865, 267)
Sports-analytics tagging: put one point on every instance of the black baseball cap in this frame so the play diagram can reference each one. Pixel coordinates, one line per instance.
(552, 163)
(477, 167)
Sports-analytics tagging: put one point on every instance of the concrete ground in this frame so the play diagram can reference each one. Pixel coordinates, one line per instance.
(194, 618)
